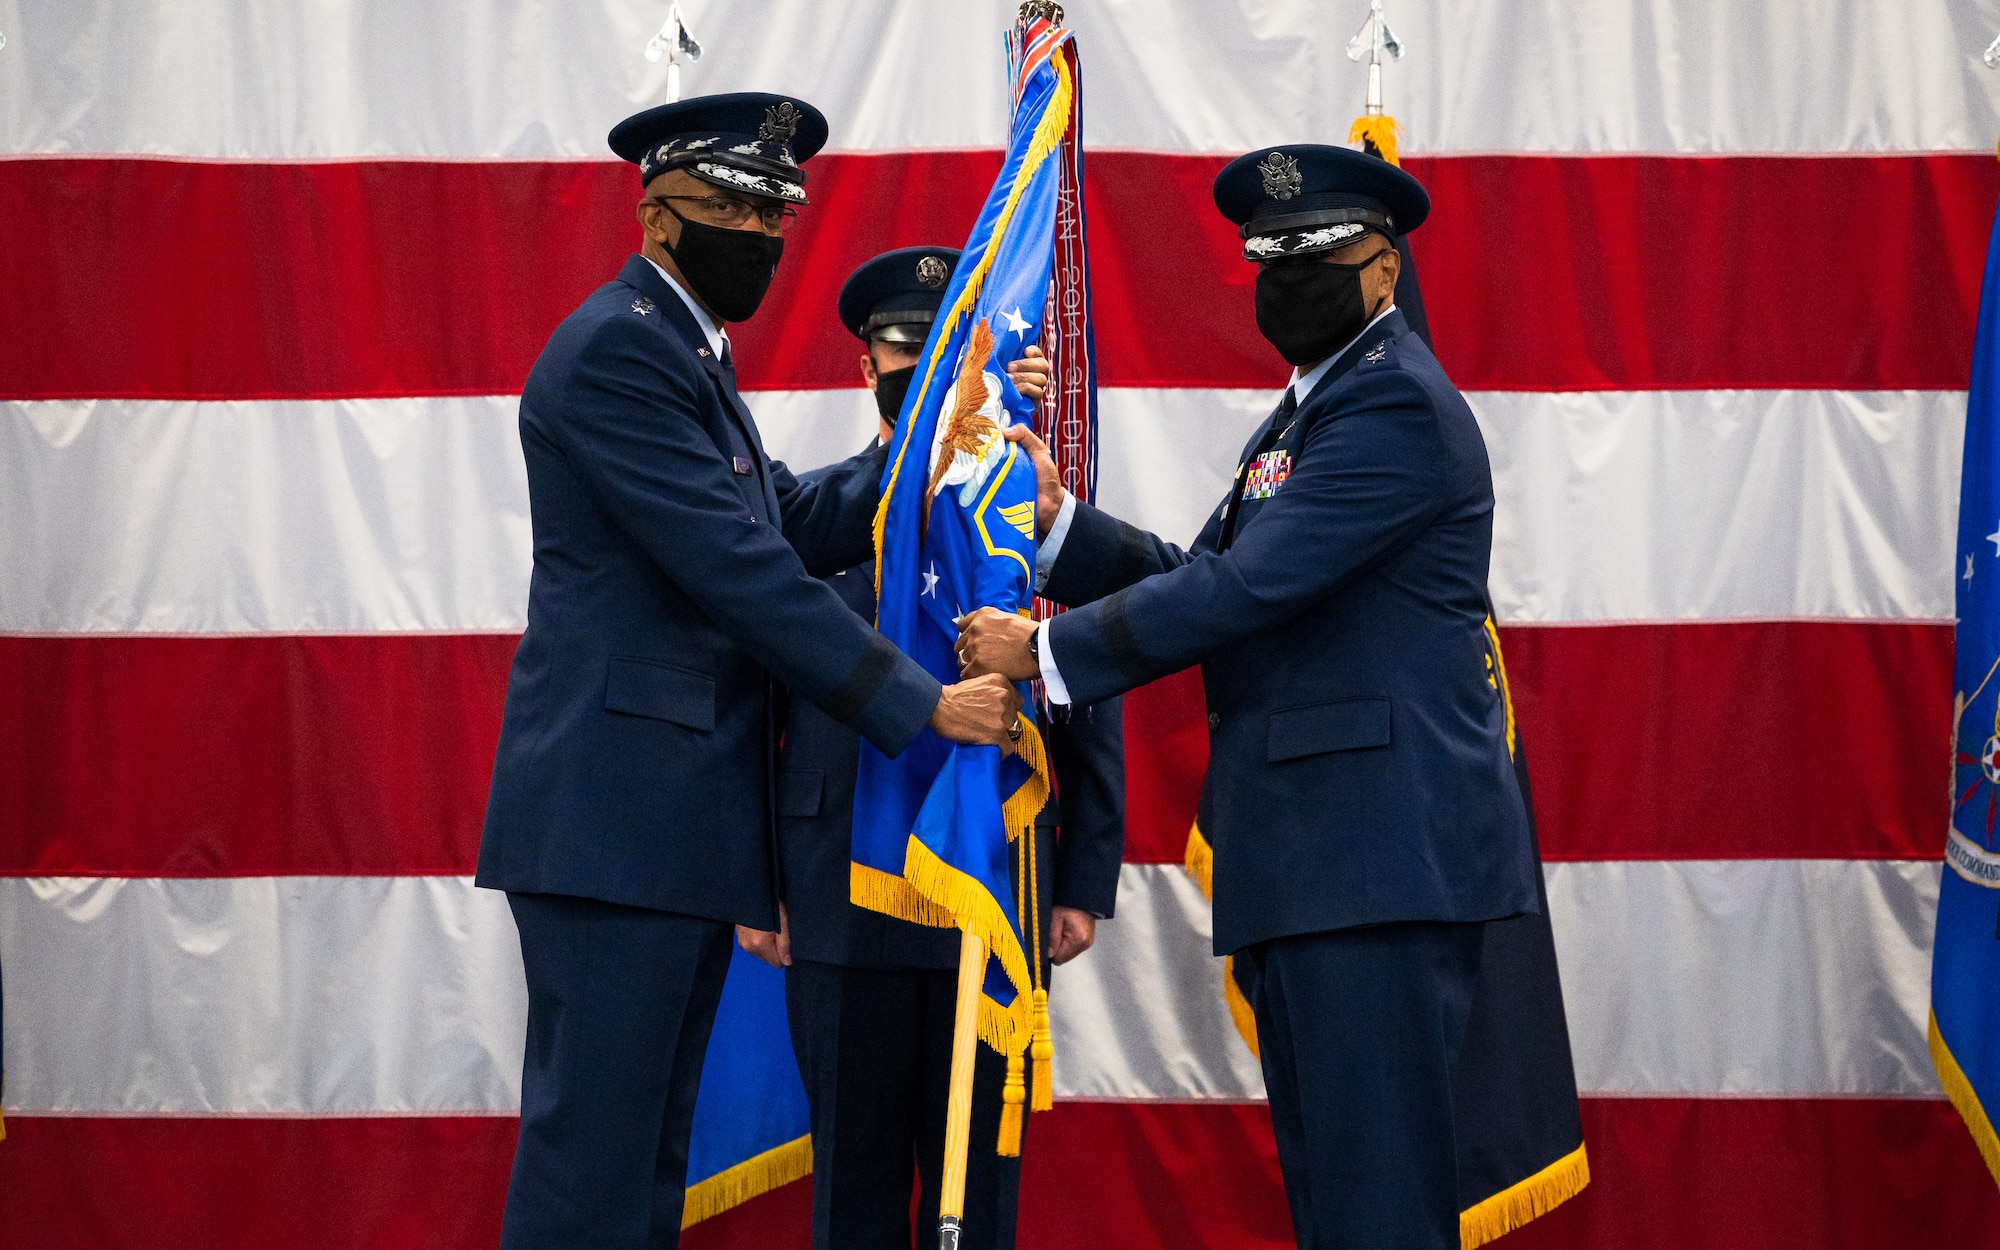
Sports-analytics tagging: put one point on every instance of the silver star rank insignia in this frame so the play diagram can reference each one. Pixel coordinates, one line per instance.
(643, 306)
(1377, 354)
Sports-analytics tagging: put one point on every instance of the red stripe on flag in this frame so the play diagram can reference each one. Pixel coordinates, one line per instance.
(247, 756)
(1758, 740)
(435, 1183)
(370, 754)
(333, 280)
(1666, 1174)
(1817, 740)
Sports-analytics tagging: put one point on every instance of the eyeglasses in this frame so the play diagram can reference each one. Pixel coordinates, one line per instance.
(731, 213)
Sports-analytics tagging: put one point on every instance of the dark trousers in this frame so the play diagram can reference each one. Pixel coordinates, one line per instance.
(874, 1047)
(620, 1001)
(1360, 1031)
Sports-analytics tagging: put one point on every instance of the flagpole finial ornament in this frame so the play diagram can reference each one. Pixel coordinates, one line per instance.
(1992, 54)
(673, 41)
(1047, 9)
(1372, 43)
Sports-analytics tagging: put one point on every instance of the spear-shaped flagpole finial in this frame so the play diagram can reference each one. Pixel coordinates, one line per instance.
(1374, 41)
(673, 42)
(1375, 130)
(1992, 54)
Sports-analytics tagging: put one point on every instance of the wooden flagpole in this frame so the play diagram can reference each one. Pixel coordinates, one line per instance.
(958, 1110)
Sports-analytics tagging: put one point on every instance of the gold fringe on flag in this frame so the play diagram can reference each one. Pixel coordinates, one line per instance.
(1524, 1200)
(759, 1174)
(1965, 1098)
(1240, 1012)
(1378, 131)
(1200, 861)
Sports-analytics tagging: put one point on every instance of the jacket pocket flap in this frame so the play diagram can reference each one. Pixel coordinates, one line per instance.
(799, 792)
(661, 691)
(1344, 725)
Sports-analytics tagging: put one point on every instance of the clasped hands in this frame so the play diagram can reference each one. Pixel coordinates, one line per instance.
(993, 645)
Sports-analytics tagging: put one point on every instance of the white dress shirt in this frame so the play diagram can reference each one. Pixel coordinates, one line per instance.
(716, 338)
(1301, 385)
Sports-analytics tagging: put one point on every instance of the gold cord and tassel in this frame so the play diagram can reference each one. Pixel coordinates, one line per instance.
(1013, 1098)
(1378, 132)
(1045, 1054)
(1014, 1103)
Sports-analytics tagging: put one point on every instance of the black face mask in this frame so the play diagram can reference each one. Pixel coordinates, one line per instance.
(729, 269)
(891, 385)
(1308, 310)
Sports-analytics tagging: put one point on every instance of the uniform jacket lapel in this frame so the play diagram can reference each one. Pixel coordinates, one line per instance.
(639, 273)
(1390, 327)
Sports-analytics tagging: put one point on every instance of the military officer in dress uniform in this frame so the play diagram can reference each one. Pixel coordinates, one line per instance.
(631, 814)
(871, 997)
(1366, 816)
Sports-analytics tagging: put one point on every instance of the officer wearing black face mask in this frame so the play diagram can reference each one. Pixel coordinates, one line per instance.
(1366, 819)
(871, 998)
(631, 816)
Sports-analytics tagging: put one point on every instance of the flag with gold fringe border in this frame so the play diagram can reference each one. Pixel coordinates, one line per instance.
(936, 829)
(752, 1129)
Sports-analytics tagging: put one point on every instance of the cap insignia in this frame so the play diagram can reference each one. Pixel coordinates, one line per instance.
(1281, 176)
(932, 272)
(780, 121)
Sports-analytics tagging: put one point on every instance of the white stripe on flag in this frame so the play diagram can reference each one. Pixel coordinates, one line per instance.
(357, 995)
(521, 79)
(298, 516)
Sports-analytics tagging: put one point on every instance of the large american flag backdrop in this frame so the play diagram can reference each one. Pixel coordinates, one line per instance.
(270, 280)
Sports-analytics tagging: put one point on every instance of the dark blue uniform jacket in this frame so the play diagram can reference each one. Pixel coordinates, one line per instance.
(1358, 768)
(1086, 822)
(674, 576)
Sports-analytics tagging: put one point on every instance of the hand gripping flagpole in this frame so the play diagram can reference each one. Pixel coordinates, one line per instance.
(673, 42)
(972, 956)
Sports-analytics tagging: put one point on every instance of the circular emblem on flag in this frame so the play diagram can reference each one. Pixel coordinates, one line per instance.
(932, 272)
(1989, 759)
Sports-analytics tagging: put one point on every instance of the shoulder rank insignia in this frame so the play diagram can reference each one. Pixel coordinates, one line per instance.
(1377, 354)
(1267, 473)
(643, 306)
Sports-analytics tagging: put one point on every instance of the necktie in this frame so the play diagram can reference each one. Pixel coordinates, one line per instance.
(1274, 429)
